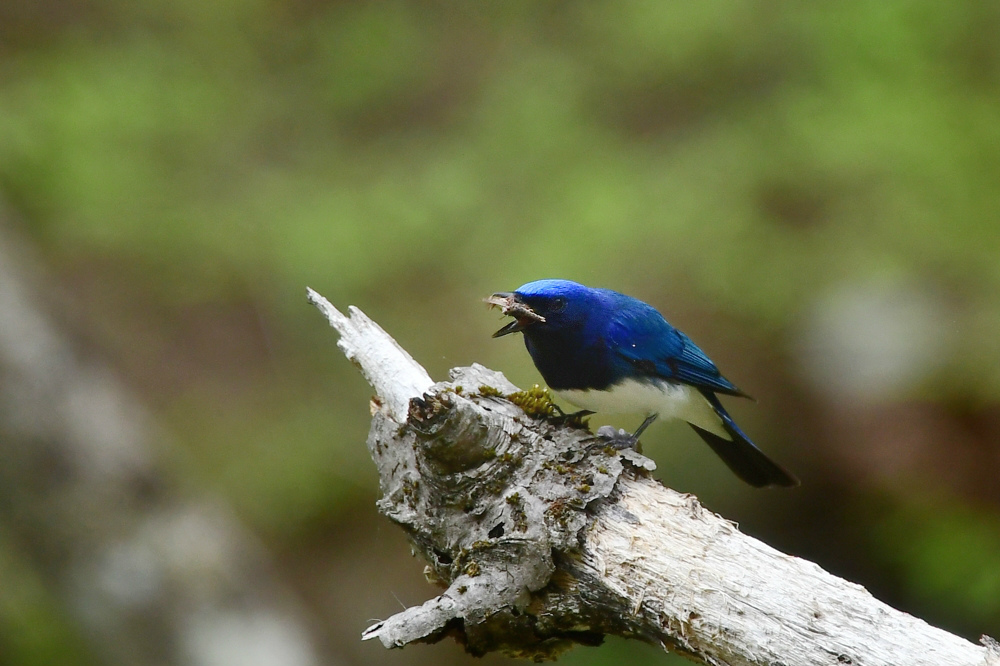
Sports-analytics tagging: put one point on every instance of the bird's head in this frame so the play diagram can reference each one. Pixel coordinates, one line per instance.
(544, 305)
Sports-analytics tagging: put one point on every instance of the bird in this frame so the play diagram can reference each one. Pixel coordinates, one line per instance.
(604, 351)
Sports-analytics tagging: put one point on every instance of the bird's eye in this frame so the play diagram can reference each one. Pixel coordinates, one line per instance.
(558, 304)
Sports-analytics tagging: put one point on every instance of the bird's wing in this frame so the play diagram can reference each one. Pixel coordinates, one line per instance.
(644, 339)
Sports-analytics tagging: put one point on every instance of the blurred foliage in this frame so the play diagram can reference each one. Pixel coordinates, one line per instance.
(914, 542)
(188, 167)
(34, 629)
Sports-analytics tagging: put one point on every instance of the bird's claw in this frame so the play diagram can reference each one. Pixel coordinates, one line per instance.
(619, 439)
(574, 419)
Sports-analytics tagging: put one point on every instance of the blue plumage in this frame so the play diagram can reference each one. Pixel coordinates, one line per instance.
(605, 351)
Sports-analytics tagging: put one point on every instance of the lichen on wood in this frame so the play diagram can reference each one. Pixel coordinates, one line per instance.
(490, 496)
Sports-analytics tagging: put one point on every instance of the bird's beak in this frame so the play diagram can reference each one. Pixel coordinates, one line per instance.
(511, 305)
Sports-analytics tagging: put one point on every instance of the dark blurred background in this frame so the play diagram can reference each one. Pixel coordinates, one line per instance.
(810, 191)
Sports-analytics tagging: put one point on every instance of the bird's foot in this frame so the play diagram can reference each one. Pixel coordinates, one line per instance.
(574, 419)
(622, 439)
(619, 439)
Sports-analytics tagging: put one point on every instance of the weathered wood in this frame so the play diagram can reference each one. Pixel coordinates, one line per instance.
(391, 371)
(544, 536)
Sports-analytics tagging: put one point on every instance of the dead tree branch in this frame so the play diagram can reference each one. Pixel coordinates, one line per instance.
(544, 537)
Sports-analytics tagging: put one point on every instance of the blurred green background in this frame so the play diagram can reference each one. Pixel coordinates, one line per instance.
(810, 191)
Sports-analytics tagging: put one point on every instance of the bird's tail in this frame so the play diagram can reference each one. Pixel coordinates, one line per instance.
(741, 455)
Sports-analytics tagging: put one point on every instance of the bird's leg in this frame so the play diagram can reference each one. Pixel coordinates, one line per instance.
(621, 439)
(645, 424)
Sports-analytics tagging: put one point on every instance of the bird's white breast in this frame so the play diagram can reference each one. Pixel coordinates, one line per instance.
(669, 400)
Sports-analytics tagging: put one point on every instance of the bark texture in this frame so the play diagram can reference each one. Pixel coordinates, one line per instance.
(543, 536)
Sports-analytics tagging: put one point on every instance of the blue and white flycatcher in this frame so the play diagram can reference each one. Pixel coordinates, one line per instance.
(607, 352)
